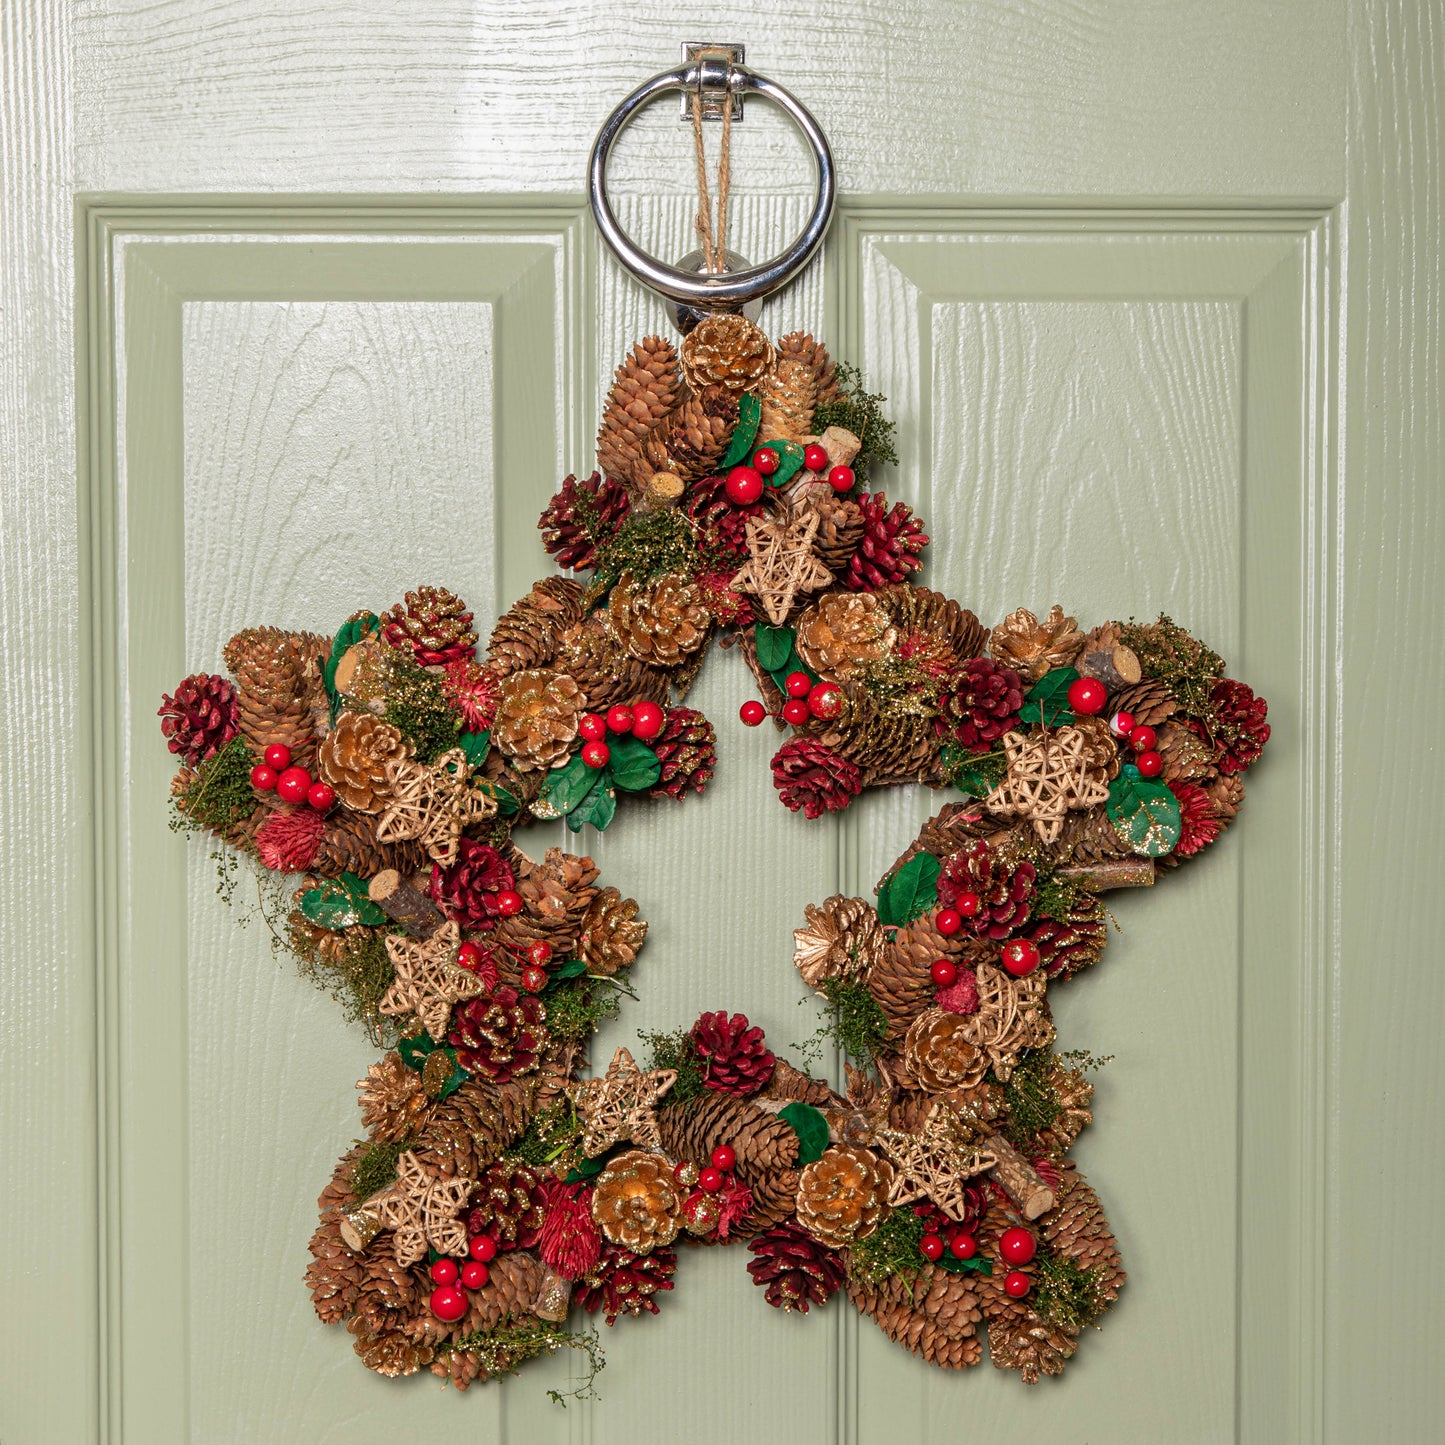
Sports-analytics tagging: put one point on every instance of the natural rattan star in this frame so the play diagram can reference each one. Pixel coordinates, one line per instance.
(1047, 775)
(781, 562)
(422, 1209)
(432, 805)
(935, 1163)
(622, 1104)
(428, 978)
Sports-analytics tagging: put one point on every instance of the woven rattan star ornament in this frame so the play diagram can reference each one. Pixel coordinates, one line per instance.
(781, 562)
(422, 1209)
(1048, 774)
(935, 1163)
(622, 1104)
(432, 805)
(428, 978)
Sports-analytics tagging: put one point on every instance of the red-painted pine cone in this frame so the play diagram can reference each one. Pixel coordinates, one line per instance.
(623, 1283)
(1238, 731)
(499, 1035)
(735, 1058)
(1004, 888)
(793, 1268)
(580, 516)
(467, 891)
(889, 548)
(687, 748)
(814, 778)
(199, 719)
(983, 704)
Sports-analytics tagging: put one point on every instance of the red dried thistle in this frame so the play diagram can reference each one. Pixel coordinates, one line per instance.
(1199, 823)
(289, 839)
(471, 690)
(570, 1240)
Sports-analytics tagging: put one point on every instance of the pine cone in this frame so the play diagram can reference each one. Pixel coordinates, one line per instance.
(890, 744)
(277, 686)
(794, 1269)
(349, 846)
(788, 395)
(843, 1195)
(335, 1274)
(721, 523)
(983, 705)
(661, 621)
(611, 933)
(1076, 1228)
(359, 758)
(1186, 757)
(557, 894)
(386, 1295)
(800, 346)
(951, 828)
(900, 980)
(527, 634)
(842, 939)
(1019, 1338)
(509, 1293)
(935, 1315)
(200, 718)
(499, 1035)
(459, 1368)
(592, 657)
(1032, 648)
(840, 529)
(841, 631)
(1069, 946)
(510, 1205)
(690, 441)
(1003, 884)
(625, 1283)
(937, 1052)
(537, 716)
(637, 1203)
(735, 1058)
(433, 624)
(793, 1084)
(1226, 792)
(390, 1354)
(726, 349)
(393, 1103)
(1237, 730)
(1074, 1093)
(1149, 702)
(815, 778)
(581, 515)
(1089, 837)
(644, 389)
(468, 1129)
(467, 891)
(1101, 752)
(932, 627)
(890, 546)
(687, 748)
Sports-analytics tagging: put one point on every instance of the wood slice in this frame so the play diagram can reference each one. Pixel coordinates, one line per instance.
(404, 904)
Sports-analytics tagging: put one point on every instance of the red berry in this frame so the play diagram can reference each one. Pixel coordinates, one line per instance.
(278, 756)
(744, 485)
(647, 721)
(765, 460)
(1150, 764)
(948, 921)
(1142, 738)
(796, 712)
(321, 796)
(444, 1271)
(815, 458)
(710, 1179)
(263, 779)
(1016, 1283)
(475, 1274)
(963, 1246)
(752, 713)
(509, 902)
(1016, 1246)
(943, 972)
(293, 785)
(469, 955)
(969, 904)
(931, 1247)
(1121, 724)
(825, 701)
(841, 479)
(449, 1303)
(595, 755)
(1087, 695)
(798, 684)
(593, 727)
(1020, 957)
(482, 1248)
(723, 1157)
(540, 953)
(619, 719)
(534, 980)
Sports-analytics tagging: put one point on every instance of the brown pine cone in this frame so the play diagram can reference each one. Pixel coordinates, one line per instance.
(509, 1205)
(1031, 647)
(386, 1295)
(275, 688)
(659, 622)
(1076, 1228)
(1002, 881)
(1149, 702)
(932, 627)
(624, 1283)
(580, 515)
(637, 1203)
(537, 715)
(527, 634)
(1089, 837)
(687, 749)
(937, 1052)
(1226, 792)
(788, 395)
(725, 349)
(468, 1129)
(935, 1315)
(509, 1293)
(793, 1269)
(900, 980)
(335, 1274)
(793, 1084)
(499, 1035)
(593, 658)
(735, 1058)
(843, 1195)
(557, 895)
(953, 827)
(389, 1354)
(1018, 1337)
(644, 389)
(800, 346)
(983, 705)
(337, 1193)
(459, 1368)
(690, 441)
(1074, 1095)
(1186, 757)
(432, 624)
(393, 1104)
(359, 759)
(349, 845)
(611, 933)
(813, 778)
(1101, 752)
(890, 745)
(842, 939)
(840, 529)
(843, 630)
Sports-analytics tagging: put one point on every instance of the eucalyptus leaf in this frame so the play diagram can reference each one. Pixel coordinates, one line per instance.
(634, 766)
(910, 891)
(1047, 701)
(750, 413)
(1144, 813)
(572, 968)
(811, 1128)
(598, 808)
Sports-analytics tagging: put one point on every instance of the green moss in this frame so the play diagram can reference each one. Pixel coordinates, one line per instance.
(504, 1350)
(858, 1025)
(677, 1051)
(1061, 898)
(577, 1006)
(356, 979)
(1065, 1293)
(417, 706)
(220, 794)
(549, 1136)
(1181, 662)
(647, 545)
(861, 413)
(1033, 1102)
(374, 1169)
(892, 1249)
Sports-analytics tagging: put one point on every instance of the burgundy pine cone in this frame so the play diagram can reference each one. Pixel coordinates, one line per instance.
(687, 749)
(1005, 890)
(467, 891)
(624, 1283)
(813, 778)
(720, 522)
(793, 1268)
(735, 1058)
(889, 548)
(499, 1035)
(1238, 730)
(510, 1205)
(579, 516)
(199, 719)
(983, 705)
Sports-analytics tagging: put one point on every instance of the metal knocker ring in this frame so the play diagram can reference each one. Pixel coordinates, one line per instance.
(729, 290)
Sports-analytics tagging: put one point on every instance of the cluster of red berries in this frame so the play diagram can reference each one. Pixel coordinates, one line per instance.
(806, 700)
(722, 1161)
(745, 483)
(644, 722)
(475, 959)
(1087, 695)
(449, 1299)
(292, 785)
(1020, 955)
(1015, 1246)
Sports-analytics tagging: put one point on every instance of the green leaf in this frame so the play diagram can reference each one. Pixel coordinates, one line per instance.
(565, 787)
(790, 462)
(507, 803)
(350, 634)
(1144, 813)
(476, 746)
(810, 1127)
(415, 1049)
(775, 646)
(572, 968)
(750, 413)
(633, 765)
(586, 1169)
(1047, 701)
(910, 891)
(599, 807)
(977, 1265)
(340, 903)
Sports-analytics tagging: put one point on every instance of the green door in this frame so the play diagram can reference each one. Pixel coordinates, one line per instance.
(1155, 295)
